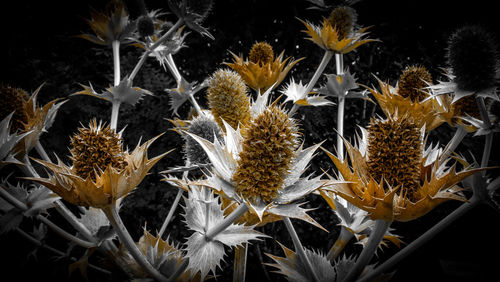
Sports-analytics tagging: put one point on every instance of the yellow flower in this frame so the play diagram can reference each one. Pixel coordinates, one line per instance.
(337, 33)
(407, 99)
(262, 69)
(393, 175)
(28, 119)
(111, 25)
(102, 172)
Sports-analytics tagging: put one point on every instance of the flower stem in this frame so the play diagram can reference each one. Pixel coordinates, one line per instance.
(173, 68)
(324, 62)
(115, 109)
(459, 135)
(424, 238)
(116, 61)
(339, 64)
(299, 248)
(41, 151)
(128, 242)
(11, 199)
(366, 255)
(66, 235)
(152, 47)
(344, 238)
(240, 263)
(489, 137)
(170, 212)
(228, 220)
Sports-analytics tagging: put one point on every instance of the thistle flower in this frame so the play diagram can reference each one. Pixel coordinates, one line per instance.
(393, 175)
(473, 65)
(102, 172)
(227, 98)
(262, 69)
(113, 24)
(27, 118)
(408, 98)
(206, 128)
(260, 165)
(338, 33)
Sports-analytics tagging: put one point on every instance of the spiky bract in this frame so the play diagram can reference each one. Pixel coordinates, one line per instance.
(267, 151)
(228, 99)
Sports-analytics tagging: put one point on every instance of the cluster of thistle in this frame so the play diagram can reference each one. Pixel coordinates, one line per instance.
(244, 153)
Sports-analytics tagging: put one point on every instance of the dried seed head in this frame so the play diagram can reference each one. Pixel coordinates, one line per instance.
(269, 145)
(261, 53)
(411, 82)
(466, 106)
(473, 57)
(145, 26)
(95, 148)
(343, 19)
(205, 128)
(14, 100)
(394, 152)
(227, 98)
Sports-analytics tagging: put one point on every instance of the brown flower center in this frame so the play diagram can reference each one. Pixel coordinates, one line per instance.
(261, 53)
(394, 153)
(343, 19)
(14, 100)
(95, 148)
(466, 106)
(412, 81)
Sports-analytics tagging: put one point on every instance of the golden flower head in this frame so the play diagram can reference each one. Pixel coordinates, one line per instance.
(262, 69)
(227, 98)
(412, 82)
(27, 118)
(393, 176)
(337, 32)
(103, 174)
(405, 99)
(269, 143)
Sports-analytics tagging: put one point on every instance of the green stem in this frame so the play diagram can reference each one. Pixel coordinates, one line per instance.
(65, 234)
(459, 135)
(324, 62)
(424, 238)
(240, 263)
(128, 242)
(41, 151)
(173, 68)
(299, 248)
(344, 238)
(115, 109)
(228, 220)
(11, 199)
(116, 61)
(171, 212)
(152, 47)
(339, 64)
(366, 255)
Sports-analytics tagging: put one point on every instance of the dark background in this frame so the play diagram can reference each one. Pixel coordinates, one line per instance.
(39, 46)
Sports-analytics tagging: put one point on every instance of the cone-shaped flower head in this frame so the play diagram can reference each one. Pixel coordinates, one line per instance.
(473, 58)
(227, 98)
(27, 117)
(412, 82)
(391, 157)
(269, 145)
(205, 128)
(102, 172)
(262, 69)
(145, 26)
(110, 25)
(408, 98)
(338, 33)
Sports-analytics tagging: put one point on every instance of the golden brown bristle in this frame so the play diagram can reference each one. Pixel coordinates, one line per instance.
(261, 53)
(412, 81)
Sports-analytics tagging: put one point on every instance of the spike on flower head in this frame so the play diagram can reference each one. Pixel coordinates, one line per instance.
(14, 100)
(411, 82)
(343, 19)
(394, 152)
(261, 53)
(227, 98)
(95, 148)
(473, 57)
(205, 128)
(269, 144)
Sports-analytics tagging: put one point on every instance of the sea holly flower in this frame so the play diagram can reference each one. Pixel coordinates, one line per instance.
(338, 32)
(393, 175)
(262, 69)
(110, 25)
(204, 211)
(28, 119)
(124, 92)
(408, 98)
(296, 92)
(261, 165)
(102, 173)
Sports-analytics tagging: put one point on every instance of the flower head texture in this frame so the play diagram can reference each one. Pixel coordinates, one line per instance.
(337, 32)
(227, 98)
(262, 69)
(206, 128)
(393, 176)
(103, 173)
